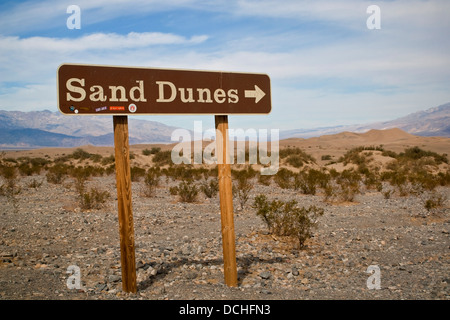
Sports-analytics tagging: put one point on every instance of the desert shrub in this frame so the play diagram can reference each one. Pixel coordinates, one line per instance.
(353, 156)
(398, 179)
(95, 171)
(286, 152)
(93, 199)
(434, 201)
(326, 157)
(241, 190)
(162, 158)
(80, 154)
(57, 173)
(11, 160)
(389, 153)
(34, 184)
(329, 192)
(108, 160)
(283, 178)
(210, 188)
(110, 169)
(423, 180)
(25, 169)
(295, 161)
(243, 185)
(308, 181)
(153, 150)
(151, 181)
(286, 219)
(443, 178)
(247, 173)
(30, 166)
(173, 190)
(356, 155)
(348, 182)
(80, 176)
(137, 173)
(185, 173)
(264, 179)
(296, 157)
(416, 153)
(371, 180)
(95, 157)
(387, 192)
(186, 191)
(424, 186)
(11, 187)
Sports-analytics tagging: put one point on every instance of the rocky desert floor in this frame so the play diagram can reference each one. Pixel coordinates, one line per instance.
(179, 248)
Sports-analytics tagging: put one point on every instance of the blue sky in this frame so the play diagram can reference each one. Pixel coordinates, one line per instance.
(326, 67)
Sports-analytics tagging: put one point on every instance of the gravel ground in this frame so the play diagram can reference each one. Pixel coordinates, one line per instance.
(179, 249)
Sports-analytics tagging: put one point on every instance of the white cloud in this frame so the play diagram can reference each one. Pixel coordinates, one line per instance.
(96, 41)
(340, 69)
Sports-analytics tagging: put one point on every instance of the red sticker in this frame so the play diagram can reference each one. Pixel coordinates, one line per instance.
(117, 108)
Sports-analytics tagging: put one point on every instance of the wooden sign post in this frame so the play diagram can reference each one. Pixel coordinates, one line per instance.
(226, 202)
(122, 91)
(123, 180)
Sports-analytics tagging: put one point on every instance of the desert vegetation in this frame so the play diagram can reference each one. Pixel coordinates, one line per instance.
(414, 172)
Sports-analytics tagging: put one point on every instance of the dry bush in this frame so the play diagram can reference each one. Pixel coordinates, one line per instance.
(284, 178)
(186, 191)
(151, 182)
(348, 182)
(434, 202)
(137, 173)
(342, 186)
(10, 189)
(93, 199)
(162, 158)
(210, 188)
(286, 219)
(34, 184)
(57, 173)
(153, 150)
(264, 179)
(243, 184)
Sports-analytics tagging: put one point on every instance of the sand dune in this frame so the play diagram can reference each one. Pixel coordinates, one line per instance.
(333, 145)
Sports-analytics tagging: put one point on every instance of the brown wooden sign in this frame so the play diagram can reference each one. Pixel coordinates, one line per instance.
(111, 90)
(123, 91)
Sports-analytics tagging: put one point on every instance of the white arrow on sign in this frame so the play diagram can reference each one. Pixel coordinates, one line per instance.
(258, 94)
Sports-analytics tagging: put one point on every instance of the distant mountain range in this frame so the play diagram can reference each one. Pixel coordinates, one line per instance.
(37, 129)
(431, 122)
(23, 130)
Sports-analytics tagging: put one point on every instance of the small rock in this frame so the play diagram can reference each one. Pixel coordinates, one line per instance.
(101, 286)
(114, 278)
(191, 275)
(294, 271)
(265, 275)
